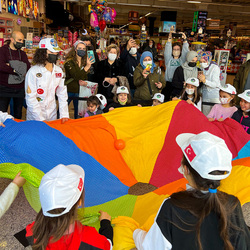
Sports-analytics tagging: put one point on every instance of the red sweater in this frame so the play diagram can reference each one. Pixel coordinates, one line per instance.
(6, 70)
(83, 238)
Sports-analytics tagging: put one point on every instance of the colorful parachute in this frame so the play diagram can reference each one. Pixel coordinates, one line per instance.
(131, 182)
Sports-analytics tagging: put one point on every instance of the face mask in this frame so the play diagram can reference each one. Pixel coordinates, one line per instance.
(204, 65)
(52, 58)
(111, 56)
(176, 53)
(150, 45)
(192, 64)
(133, 51)
(145, 63)
(189, 91)
(18, 45)
(81, 52)
(248, 110)
(224, 100)
(123, 103)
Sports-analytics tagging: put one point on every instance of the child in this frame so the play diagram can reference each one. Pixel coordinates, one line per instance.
(122, 98)
(10, 193)
(56, 227)
(3, 117)
(243, 113)
(190, 93)
(158, 99)
(226, 109)
(93, 104)
(200, 217)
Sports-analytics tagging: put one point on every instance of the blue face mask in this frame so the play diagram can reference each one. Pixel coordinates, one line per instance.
(81, 52)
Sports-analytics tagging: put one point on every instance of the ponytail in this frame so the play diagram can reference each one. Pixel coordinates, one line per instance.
(201, 204)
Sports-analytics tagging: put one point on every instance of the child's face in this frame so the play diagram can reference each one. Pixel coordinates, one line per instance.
(123, 97)
(244, 105)
(92, 107)
(156, 102)
(225, 95)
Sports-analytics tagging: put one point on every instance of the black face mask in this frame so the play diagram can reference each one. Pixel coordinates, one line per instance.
(52, 58)
(81, 52)
(192, 64)
(18, 45)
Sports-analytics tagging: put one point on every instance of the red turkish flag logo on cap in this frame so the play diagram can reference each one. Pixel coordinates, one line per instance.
(190, 152)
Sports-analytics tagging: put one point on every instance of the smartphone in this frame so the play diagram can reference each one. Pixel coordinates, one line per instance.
(91, 54)
(177, 35)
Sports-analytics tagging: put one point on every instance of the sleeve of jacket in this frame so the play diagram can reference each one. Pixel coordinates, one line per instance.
(124, 55)
(185, 49)
(138, 77)
(154, 238)
(106, 229)
(7, 197)
(168, 52)
(73, 72)
(163, 81)
(4, 116)
(30, 96)
(3, 63)
(62, 95)
(215, 80)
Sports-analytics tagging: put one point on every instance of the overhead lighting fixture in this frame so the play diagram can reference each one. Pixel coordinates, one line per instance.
(148, 14)
(209, 19)
(193, 1)
(135, 4)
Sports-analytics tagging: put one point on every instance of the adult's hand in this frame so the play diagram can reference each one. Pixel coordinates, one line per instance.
(183, 35)
(145, 73)
(202, 78)
(130, 44)
(83, 83)
(63, 120)
(158, 85)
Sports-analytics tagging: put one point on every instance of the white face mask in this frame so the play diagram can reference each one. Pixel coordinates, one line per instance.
(145, 63)
(189, 91)
(224, 100)
(204, 65)
(133, 51)
(112, 57)
(176, 53)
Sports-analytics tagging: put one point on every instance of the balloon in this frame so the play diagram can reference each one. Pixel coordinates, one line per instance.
(107, 15)
(97, 29)
(93, 20)
(120, 144)
(113, 15)
(102, 25)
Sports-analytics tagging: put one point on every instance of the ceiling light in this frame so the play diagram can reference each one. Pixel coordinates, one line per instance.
(193, 1)
(135, 4)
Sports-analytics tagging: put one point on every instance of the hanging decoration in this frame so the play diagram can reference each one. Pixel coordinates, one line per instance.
(101, 14)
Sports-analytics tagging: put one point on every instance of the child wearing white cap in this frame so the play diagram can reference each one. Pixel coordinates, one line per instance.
(242, 115)
(201, 217)
(122, 98)
(43, 82)
(190, 93)
(226, 108)
(56, 227)
(158, 99)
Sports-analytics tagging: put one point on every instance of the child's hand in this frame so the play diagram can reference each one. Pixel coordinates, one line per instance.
(220, 119)
(63, 120)
(2, 125)
(18, 180)
(104, 216)
(211, 119)
(189, 102)
(111, 108)
(175, 99)
(139, 105)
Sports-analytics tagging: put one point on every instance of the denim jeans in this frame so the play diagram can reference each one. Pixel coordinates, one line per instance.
(75, 103)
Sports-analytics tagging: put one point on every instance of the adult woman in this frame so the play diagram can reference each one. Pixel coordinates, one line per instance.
(108, 70)
(44, 81)
(76, 68)
(147, 78)
(185, 71)
(201, 217)
(175, 56)
(210, 77)
(151, 48)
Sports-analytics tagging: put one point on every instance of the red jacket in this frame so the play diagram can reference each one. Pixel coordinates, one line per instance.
(83, 238)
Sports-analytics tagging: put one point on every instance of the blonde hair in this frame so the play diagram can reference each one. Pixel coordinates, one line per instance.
(113, 46)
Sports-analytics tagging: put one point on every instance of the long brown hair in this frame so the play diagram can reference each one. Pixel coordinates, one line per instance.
(202, 204)
(71, 55)
(47, 227)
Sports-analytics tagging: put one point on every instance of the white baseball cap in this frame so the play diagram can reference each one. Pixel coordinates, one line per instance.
(122, 90)
(245, 95)
(103, 100)
(61, 187)
(206, 153)
(159, 97)
(193, 81)
(228, 88)
(50, 44)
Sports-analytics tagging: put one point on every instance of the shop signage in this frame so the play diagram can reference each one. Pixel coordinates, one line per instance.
(133, 16)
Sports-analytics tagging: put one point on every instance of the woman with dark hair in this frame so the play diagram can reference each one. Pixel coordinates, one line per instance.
(174, 55)
(43, 81)
(77, 66)
(201, 217)
(151, 48)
